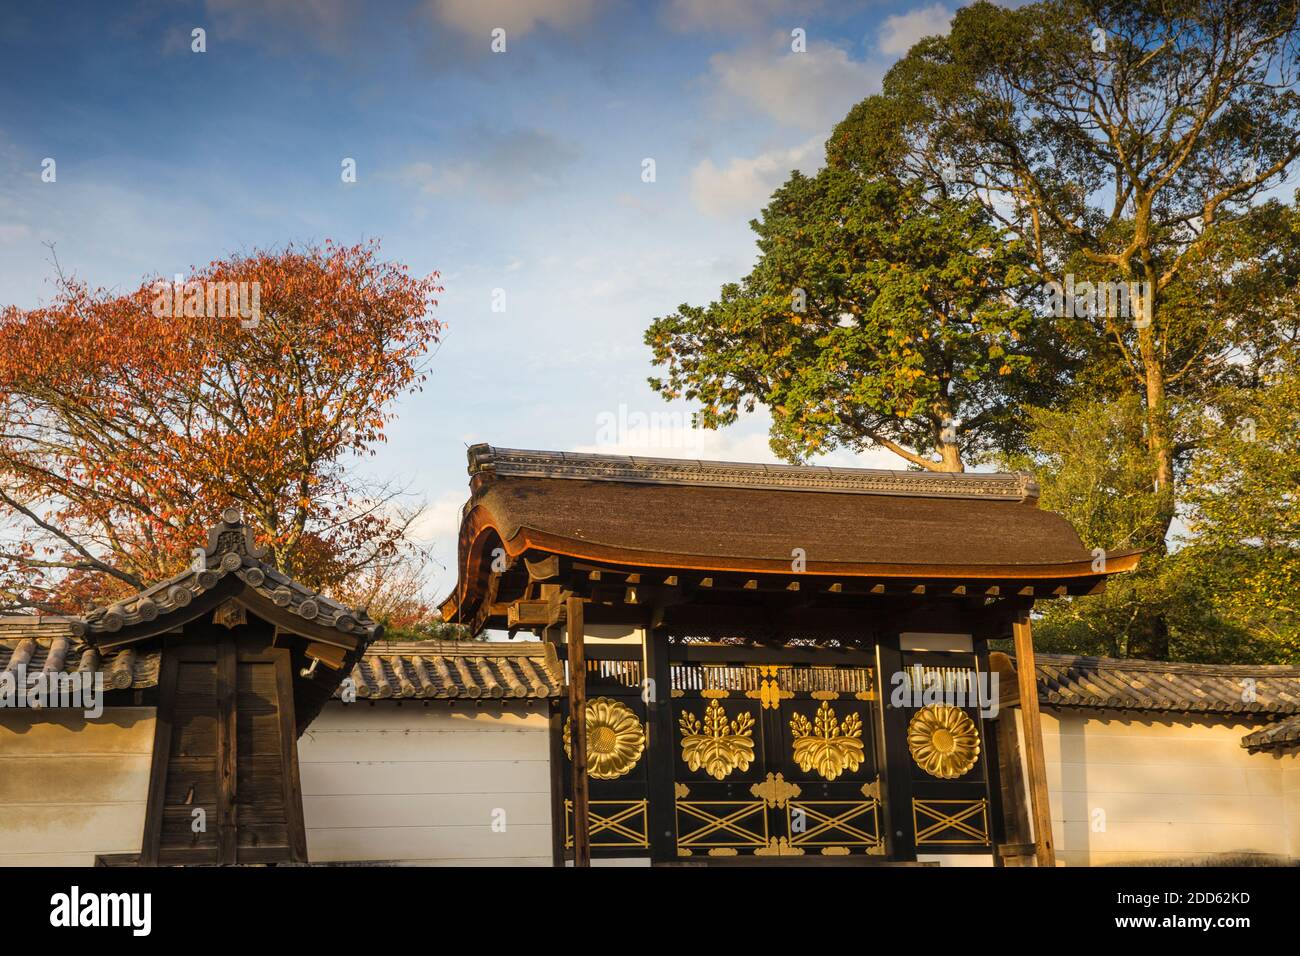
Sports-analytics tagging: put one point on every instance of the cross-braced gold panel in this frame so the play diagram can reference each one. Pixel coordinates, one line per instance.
(951, 822)
(614, 823)
(834, 823)
(718, 824)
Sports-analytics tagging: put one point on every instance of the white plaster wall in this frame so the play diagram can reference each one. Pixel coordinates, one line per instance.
(434, 785)
(1130, 790)
(71, 788)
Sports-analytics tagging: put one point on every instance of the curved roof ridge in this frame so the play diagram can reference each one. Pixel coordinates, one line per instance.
(489, 461)
(230, 552)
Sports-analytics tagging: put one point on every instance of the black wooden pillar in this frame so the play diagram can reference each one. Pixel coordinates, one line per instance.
(657, 693)
(895, 785)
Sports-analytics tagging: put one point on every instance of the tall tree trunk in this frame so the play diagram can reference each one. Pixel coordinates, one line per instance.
(1160, 442)
(944, 428)
(950, 456)
(1160, 446)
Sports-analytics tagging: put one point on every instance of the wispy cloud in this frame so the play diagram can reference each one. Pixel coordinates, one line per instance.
(732, 15)
(743, 185)
(899, 33)
(478, 18)
(810, 90)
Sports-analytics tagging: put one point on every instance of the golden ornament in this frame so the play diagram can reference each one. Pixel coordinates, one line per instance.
(826, 745)
(615, 739)
(944, 741)
(716, 745)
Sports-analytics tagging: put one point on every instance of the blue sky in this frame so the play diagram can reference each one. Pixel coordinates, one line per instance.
(519, 171)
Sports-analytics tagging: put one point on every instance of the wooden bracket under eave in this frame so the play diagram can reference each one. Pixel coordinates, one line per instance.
(544, 613)
(327, 654)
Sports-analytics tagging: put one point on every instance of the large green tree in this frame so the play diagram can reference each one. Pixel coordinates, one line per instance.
(1124, 143)
(875, 316)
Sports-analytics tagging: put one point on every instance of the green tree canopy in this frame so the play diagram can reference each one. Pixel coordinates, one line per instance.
(1119, 142)
(875, 316)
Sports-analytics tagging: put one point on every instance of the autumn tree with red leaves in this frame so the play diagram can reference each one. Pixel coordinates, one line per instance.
(130, 420)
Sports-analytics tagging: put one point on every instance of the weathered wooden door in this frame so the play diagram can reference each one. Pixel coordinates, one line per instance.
(224, 786)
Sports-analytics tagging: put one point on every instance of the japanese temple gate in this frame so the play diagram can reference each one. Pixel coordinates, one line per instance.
(751, 646)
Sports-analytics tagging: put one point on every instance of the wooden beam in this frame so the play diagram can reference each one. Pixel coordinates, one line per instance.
(578, 731)
(1027, 678)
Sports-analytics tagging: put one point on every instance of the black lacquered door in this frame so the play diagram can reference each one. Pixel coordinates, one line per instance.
(775, 760)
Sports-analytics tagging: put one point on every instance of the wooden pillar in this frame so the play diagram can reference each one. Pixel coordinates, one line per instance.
(1027, 679)
(662, 813)
(578, 731)
(559, 815)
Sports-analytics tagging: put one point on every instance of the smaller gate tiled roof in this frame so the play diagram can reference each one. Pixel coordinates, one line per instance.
(442, 670)
(231, 553)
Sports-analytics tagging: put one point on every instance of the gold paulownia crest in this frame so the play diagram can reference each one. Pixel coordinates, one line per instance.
(717, 745)
(944, 741)
(775, 791)
(615, 739)
(825, 744)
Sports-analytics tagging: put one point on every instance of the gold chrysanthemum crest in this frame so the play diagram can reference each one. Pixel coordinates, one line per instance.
(615, 739)
(826, 745)
(717, 745)
(944, 741)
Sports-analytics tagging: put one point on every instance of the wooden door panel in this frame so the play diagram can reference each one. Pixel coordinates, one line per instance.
(226, 747)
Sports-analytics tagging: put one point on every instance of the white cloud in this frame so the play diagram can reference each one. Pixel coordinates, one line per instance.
(691, 15)
(899, 33)
(478, 18)
(662, 430)
(744, 185)
(656, 431)
(439, 523)
(811, 90)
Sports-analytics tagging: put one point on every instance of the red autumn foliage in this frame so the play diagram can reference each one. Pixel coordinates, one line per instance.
(128, 426)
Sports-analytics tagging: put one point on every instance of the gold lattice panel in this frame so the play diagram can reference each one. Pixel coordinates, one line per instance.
(951, 822)
(834, 823)
(704, 825)
(614, 823)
